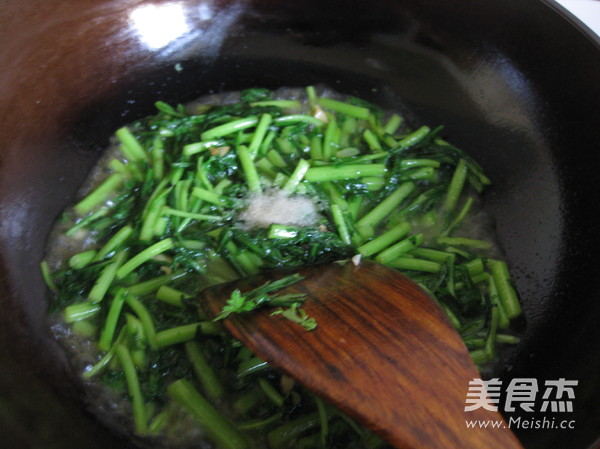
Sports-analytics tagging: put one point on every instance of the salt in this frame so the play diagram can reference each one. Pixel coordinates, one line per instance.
(278, 207)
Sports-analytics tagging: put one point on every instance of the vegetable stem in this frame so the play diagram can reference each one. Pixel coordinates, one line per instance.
(340, 221)
(145, 317)
(118, 239)
(280, 437)
(386, 207)
(229, 128)
(198, 147)
(82, 259)
(341, 172)
(110, 324)
(296, 177)
(259, 134)
(204, 371)
(106, 278)
(190, 215)
(414, 138)
(506, 292)
(386, 239)
(413, 264)
(456, 186)
(250, 173)
(80, 311)
(133, 387)
(176, 335)
(223, 433)
(298, 118)
(99, 195)
(130, 146)
(171, 296)
(399, 249)
(144, 256)
(47, 276)
(344, 108)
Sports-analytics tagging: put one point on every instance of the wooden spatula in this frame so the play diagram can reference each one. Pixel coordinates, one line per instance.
(383, 351)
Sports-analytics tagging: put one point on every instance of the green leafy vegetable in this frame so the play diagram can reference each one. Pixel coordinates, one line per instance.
(297, 315)
(165, 218)
(261, 296)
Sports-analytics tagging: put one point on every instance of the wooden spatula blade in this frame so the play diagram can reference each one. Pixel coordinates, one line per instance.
(383, 351)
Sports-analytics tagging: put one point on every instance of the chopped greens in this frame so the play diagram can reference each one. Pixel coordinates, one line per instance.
(297, 315)
(164, 217)
(261, 297)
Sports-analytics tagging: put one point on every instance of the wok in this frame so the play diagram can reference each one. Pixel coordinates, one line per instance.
(514, 82)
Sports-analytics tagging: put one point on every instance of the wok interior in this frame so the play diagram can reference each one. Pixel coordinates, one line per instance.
(78, 72)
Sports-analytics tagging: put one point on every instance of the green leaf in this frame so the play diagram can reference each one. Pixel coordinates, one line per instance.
(237, 303)
(297, 315)
(261, 297)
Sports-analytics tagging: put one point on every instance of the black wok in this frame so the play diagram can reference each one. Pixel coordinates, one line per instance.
(514, 82)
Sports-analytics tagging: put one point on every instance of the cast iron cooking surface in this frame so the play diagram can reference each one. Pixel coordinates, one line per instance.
(514, 83)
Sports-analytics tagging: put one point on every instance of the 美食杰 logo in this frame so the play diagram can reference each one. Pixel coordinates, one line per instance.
(525, 395)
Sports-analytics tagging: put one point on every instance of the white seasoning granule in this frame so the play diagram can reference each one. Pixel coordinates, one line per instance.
(277, 207)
